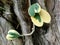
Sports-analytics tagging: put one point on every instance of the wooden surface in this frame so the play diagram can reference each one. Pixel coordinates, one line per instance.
(42, 36)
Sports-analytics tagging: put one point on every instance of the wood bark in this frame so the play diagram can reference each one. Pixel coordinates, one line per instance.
(21, 13)
(49, 34)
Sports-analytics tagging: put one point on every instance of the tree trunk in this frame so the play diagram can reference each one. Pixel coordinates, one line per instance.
(49, 34)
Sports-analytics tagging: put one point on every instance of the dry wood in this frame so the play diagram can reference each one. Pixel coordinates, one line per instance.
(47, 35)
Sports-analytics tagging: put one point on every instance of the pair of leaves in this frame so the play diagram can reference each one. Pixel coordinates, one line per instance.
(44, 18)
(12, 34)
(38, 15)
(33, 11)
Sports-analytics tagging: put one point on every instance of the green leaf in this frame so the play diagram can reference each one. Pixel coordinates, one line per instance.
(34, 8)
(13, 35)
(37, 16)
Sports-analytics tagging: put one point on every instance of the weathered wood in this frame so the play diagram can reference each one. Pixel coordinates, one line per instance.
(42, 36)
(53, 8)
(51, 35)
(21, 10)
(5, 26)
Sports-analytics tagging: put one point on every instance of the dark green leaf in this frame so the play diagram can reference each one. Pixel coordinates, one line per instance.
(14, 35)
(37, 16)
(32, 9)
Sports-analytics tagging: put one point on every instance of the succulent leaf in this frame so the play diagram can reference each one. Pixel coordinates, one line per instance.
(36, 22)
(12, 34)
(34, 8)
(45, 16)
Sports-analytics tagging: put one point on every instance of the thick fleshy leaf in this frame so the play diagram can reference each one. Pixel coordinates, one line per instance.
(45, 16)
(34, 8)
(13, 33)
(36, 22)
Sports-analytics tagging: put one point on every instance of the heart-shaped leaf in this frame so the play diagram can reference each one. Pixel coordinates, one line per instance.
(34, 8)
(45, 16)
(12, 34)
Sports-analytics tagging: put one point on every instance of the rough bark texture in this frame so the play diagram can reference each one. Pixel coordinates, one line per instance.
(49, 34)
(51, 37)
(5, 26)
(21, 12)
